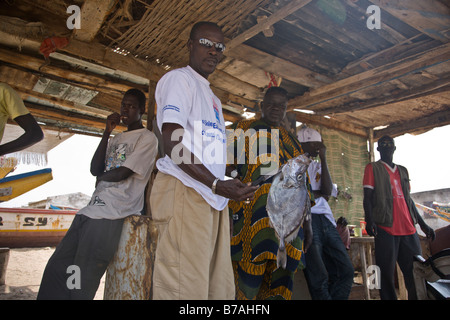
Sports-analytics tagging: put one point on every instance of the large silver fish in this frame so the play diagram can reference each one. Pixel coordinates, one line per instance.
(288, 203)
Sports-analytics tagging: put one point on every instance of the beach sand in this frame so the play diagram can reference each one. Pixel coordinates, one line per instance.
(24, 274)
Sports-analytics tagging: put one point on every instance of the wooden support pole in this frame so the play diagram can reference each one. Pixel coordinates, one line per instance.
(371, 145)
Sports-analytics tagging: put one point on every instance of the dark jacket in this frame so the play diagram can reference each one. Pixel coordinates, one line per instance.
(383, 199)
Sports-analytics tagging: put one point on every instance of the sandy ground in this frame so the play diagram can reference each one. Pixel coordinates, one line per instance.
(26, 266)
(24, 274)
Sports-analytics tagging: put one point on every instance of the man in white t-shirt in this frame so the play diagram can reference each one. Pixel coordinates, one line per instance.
(329, 271)
(189, 195)
(122, 165)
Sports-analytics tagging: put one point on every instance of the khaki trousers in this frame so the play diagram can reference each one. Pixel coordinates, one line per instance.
(193, 259)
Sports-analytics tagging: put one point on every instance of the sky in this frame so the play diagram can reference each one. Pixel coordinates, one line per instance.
(426, 156)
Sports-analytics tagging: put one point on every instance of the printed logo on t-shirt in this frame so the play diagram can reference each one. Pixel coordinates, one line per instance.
(97, 202)
(170, 107)
(397, 189)
(216, 111)
(116, 157)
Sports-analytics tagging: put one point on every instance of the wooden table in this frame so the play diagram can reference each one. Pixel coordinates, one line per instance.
(363, 243)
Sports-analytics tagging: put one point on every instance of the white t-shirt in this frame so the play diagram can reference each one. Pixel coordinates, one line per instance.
(184, 97)
(135, 150)
(321, 206)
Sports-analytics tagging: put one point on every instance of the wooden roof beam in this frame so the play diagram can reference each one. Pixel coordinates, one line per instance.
(93, 14)
(418, 125)
(332, 124)
(80, 78)
(298, 74)
(430, 17)
(278, 66)
(437, 86)
(64, 105)
(105, 56)
(264, 24)
(93, 52)
(371, 77)
(68, 118)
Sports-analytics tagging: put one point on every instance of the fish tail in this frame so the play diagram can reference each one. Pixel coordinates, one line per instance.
(281, 256)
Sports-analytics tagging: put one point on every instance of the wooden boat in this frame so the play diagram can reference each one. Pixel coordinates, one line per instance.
(14, 186)
(7, 165)
(434, 212)
(24, 227)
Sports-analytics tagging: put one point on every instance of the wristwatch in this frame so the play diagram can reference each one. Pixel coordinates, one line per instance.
(213, 187)
(234, 173)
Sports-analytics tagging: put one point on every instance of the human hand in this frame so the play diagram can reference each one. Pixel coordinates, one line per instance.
(321, 150)
(429, 232)
(112, 121)
(371, 229)
(236, 190)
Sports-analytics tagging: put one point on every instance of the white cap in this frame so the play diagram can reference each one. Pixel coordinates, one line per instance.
(308, 135)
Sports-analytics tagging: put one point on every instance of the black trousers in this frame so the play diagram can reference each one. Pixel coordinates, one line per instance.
(390, 249)
(76, 267)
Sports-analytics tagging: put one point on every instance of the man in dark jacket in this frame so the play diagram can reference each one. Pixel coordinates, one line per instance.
(391, 215)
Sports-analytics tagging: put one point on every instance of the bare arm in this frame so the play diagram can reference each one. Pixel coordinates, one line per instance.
(429, 232)
(326, 184)
(33, 134)
(98, 160)
(371, 227)
(115, 175)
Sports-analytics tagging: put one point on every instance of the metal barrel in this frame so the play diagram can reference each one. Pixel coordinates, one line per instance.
(129, 275)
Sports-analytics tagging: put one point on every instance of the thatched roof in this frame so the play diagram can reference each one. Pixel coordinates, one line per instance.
(363, 81)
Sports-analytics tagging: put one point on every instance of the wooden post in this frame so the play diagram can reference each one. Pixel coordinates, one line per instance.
(151, 125)
(362, 252)
(403, 293)
(4, 258)
(151, 104)
(371, 145)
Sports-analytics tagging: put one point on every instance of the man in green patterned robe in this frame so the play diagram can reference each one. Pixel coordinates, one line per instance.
(254, 244)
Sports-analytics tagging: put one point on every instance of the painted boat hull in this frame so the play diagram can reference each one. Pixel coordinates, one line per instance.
(14, 186)
(24, 228)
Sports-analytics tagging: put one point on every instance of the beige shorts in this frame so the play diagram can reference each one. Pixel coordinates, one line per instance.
(193, 260)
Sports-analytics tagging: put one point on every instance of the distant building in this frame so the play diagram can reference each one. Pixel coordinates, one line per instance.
(71, 201)
(428, 197)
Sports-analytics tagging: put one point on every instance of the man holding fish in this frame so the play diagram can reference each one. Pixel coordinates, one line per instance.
(258, 242)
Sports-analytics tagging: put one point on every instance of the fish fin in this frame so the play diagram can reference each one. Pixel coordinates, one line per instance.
(293, 235)
(281, 258)
(281, 255)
